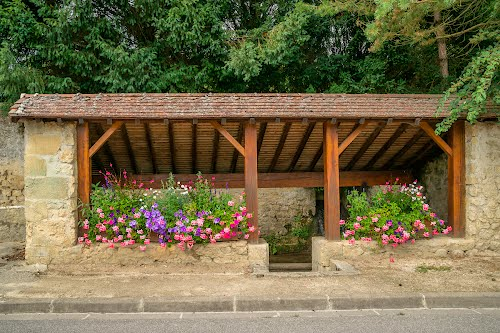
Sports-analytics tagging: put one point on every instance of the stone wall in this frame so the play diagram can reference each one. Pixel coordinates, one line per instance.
(434, 178)
(11, 181)
(482, 156)
(50, 189)
(279, 206)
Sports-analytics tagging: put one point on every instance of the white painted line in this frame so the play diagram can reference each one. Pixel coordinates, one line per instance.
(88, 315)
(378, 314)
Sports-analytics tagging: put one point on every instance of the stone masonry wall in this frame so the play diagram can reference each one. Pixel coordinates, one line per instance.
(50, 189)
(482, 156)
(434, 178)
(279, 206)
(11, 181)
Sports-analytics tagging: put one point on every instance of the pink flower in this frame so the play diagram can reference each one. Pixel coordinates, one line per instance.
(203, 236)
(357, 226)
(227, 230)
(352, 241)
(86, 227)
(230, 203)
(208, 230)
(98, 237)
(377, 229)
(425, 207)
(142, 237)
(111, 245)
(435, 232)
(163, 245)
(385, 228)
(247, 236)
(391, 259)
(142, 248)
(217, 236)
(80, 240)
(140, 231)
(341, 222)
(85, 236)
(445, 231)
(131, 242)
(147, 241)
(101, 215)
(249, 215)
(426, 234)
(99, 210)
(251, 228)
(358, 218)
(374, 219)
(120, 237)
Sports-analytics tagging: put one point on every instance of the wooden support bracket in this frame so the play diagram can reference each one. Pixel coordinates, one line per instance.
(229, 137)
(343, 146)
(104, 138)
(437, 139)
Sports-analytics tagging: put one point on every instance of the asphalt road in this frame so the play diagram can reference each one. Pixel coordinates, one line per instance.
(373, 321)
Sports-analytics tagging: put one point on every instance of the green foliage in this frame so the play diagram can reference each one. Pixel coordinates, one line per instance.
(296, 239)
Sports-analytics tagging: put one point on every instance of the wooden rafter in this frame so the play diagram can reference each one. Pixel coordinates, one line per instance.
(353, 135)
(262, 134)
(171, 144)
(235, 142)
(106, 148)
(316, 157)
(130, 151)
(240, 150)
(194, 139)
(213, 165)
(420, 154)
(281, 144)
(104, 138)
(401, 129)
(391, 163)
(151, 150)
(437, 139)
(365, 146)
(98, 162)
(301, 146)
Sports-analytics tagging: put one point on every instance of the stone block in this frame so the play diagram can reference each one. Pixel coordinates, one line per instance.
(35, 166)
(40, 144)
(323, 251)
(47, 188)
(258, 256)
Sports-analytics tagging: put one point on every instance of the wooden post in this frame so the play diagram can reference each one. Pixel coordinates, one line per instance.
(251, 186)
(83, 162)
(331, 180)
(456, 179)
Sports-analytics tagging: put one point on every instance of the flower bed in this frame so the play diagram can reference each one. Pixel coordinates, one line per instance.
(394, 215)
(124, 212)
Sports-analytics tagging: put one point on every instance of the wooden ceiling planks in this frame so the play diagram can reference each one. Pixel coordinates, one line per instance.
(145, 148)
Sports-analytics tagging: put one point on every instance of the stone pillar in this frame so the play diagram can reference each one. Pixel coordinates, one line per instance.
(50, 189)
(482, 199)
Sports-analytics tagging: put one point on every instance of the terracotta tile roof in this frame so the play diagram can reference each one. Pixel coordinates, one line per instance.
(230, 106)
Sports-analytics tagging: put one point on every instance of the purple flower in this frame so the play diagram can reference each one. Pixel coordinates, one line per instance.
(216, 220)
(133, 224)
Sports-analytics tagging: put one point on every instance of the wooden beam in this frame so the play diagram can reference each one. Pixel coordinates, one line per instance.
(236, 143)
(104, 138)
(106, 148)
(354, 134)
(437, 139)
(390, 164)
(128, 145)
(171, 144)
(456, 179)
(281, 144)
(234, 160)
(194, 136)
(331, 181)
(251, 177)
(365, 146)
(83, 162)
(262, 134)
(151, 150)
(286, 179)
(316, 157)
(301, 146)
(401, 129)
(213, 165)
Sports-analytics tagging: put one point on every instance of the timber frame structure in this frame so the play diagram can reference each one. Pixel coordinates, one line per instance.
(271, 140)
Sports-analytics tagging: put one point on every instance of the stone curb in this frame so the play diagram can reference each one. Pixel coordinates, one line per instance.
(249, 304)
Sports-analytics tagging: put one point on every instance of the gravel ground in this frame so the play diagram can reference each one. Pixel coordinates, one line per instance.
(377, 275)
